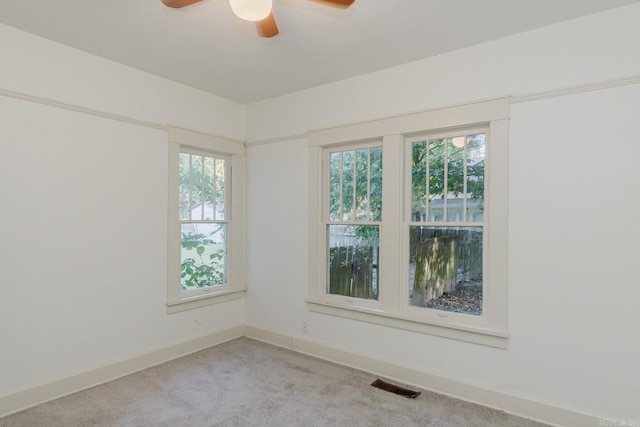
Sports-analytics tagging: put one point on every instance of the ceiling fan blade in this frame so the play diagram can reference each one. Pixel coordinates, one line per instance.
(177, 4)
(267, 27)
(336, 3)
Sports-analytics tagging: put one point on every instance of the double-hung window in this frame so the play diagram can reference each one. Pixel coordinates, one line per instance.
(445, 202)
(408, 222)
(204, 196)
(205, 229)
(354, 206)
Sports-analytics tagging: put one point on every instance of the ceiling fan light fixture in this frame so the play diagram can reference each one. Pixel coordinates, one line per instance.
(251, 10)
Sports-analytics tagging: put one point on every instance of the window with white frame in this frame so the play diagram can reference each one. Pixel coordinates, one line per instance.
(206, 180)
(420, 243)
(446, 225)
(203, 219)
(354, 197)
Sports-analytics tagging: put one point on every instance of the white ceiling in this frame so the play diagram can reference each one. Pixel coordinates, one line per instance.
(205, 46)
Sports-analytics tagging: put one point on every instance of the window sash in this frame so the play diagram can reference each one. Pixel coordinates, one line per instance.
(409, 141)
(204, 157)
(226, 196)
(326, 213)
(427, 137)
(326, 185)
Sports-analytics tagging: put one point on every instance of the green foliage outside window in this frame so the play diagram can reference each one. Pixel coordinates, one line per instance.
(448, 176)
(202, 213)
(203, 263)
(450, 169)
(434, 151)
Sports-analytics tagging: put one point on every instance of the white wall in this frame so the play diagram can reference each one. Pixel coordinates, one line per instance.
(84, 211)
(40, 67)
(573, 231)
(596, 48)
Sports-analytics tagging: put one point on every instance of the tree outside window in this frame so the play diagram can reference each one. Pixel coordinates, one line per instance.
(203, 220)
(447, 219)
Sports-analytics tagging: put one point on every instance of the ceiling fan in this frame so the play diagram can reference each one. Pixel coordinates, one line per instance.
(258, 11)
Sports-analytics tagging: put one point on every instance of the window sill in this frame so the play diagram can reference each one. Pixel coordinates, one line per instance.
(488, 337)
(203, 300)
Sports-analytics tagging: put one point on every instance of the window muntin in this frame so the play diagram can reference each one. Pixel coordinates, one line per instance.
(446, 228)
(203, 197)
(353, 178)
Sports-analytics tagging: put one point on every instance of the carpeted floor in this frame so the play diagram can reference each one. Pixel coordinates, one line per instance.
(250, 383)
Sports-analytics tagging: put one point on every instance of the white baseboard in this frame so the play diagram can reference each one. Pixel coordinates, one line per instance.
(21, 400)
(509, 403)
(512, 404)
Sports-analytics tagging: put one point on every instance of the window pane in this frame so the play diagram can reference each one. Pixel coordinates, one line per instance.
(362, 185)
(445, 268)
(209, 186)
(353, 261)
(185, 185)
(376, 183)
(436, 180)
(335, 173)
(455, 178)
(203, 260)
(197, 196)
(348, 163)
(220, 189)
(475, 177)
(418, 181)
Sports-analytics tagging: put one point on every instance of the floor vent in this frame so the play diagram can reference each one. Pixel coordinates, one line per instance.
(395, 389)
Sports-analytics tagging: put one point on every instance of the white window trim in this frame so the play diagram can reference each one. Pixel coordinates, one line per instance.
(490, 328)
(235, 287)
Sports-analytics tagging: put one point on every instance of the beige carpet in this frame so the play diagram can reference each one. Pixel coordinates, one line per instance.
(249, 383)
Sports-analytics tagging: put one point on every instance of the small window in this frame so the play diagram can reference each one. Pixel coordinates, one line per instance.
(205, 220)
